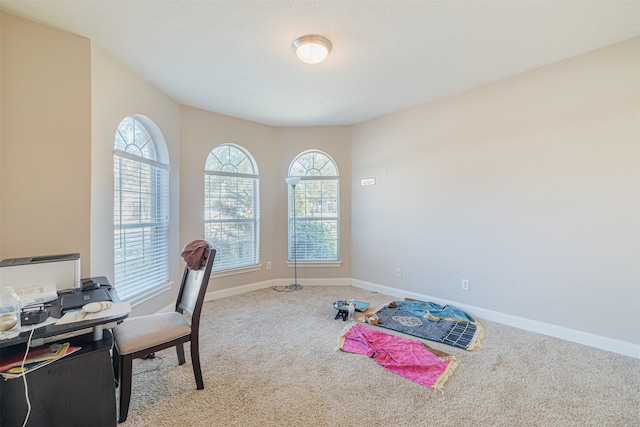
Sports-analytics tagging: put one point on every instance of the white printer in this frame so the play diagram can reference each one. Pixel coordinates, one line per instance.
(63, 271)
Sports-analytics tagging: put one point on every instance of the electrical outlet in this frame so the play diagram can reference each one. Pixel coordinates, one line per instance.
(398, 273)
(268, 265)
(465, 285)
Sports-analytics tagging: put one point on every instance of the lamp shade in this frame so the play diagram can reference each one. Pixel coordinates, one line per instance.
(312, 48)
(293, 180)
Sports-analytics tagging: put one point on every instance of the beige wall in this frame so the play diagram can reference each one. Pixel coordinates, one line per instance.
(336, 142)
(201, 132)
(273, 149)
(2, 17)
(528, 187)
(117, 92)
(46, 133)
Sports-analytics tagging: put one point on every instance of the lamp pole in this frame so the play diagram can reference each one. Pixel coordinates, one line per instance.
(293, 181)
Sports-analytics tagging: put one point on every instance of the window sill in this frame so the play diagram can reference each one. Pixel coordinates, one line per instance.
(314, 264)
(233, 271)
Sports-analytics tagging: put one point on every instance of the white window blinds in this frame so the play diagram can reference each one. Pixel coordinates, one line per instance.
(141, 213)
(231, 201)
(317, 212)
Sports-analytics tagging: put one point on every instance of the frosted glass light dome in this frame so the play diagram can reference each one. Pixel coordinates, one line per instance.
(312, 48)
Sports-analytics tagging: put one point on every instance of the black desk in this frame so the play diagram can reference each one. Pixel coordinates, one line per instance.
(52, 332)
(77, 390)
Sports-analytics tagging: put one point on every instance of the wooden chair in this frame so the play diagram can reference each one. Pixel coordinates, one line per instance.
(137, 337)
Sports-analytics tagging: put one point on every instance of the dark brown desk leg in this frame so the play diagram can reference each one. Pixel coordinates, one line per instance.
(126, 372)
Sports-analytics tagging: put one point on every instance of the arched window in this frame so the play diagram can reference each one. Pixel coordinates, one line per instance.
(231, 207)
(141, 209)
(317, 210)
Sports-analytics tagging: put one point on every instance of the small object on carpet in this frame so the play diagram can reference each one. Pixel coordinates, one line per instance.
(371, 318)
(343, 314)
(343, 308)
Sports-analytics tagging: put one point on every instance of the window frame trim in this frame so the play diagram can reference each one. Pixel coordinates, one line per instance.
(136, 158)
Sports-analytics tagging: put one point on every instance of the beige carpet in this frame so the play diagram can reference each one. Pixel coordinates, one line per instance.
(269, 359)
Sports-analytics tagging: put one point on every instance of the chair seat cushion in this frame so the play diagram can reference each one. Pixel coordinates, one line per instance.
(139, 333)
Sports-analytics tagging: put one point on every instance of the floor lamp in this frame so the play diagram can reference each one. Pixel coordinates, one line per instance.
(293, 181)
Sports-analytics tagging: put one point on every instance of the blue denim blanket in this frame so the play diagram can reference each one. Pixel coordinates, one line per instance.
(433, 310)
(428, 320)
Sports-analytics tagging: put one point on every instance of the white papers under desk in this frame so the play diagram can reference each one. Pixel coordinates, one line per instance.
(116, 309)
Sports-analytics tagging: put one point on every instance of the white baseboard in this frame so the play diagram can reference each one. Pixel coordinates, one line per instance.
(222, 293)
(238, 290)
(597, 341)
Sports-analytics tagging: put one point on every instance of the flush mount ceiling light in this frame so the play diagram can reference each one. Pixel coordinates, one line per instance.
(311, 48)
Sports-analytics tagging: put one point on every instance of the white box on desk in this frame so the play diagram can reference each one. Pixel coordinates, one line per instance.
(63, 271)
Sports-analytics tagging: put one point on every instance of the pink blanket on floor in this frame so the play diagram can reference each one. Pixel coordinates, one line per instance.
(406, 357)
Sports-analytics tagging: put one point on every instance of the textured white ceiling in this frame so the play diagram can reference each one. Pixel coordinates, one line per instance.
(235, 58)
